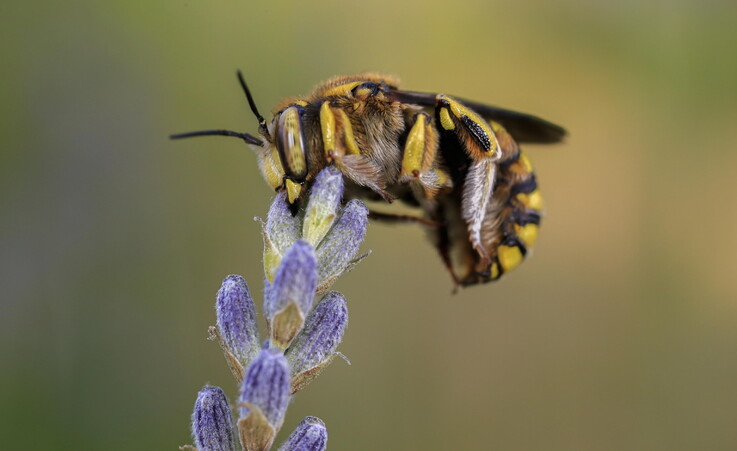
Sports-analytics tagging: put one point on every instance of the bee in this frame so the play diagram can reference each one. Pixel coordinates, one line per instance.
(457, 161)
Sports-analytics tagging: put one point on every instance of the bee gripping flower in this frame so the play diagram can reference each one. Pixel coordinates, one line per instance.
(305, 251)
(322, 207)
(315, 346)
(310, 435)
(212, 425)
(236, 319)
(336, 253)
(264, 399)
(290, 297)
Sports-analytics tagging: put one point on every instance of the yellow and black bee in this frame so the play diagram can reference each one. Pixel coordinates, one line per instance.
(456, 160)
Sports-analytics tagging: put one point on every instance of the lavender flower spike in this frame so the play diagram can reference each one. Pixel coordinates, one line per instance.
(314, 348)
(212, 425)
(280, 232)
(290, 297)
(336, 252)
(236, 319)
(322, 207)
(264, 400)
(310, 435)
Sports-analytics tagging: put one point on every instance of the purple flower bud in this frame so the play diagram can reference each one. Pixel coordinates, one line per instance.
(266, 386)
(295, 281)
(281, 230)
(321, 335)
(310, 435)
(212, 425)
(323, 205)
(236, 318)
(339, 247)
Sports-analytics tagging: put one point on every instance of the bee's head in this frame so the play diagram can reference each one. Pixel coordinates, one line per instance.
(281, 167)
(287, 166)
(281, 149)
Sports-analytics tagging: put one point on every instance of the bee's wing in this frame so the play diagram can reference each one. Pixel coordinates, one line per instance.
(522, 126)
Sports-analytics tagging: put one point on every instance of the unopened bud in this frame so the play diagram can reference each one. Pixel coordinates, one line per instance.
(290, 297)
(264, 399)
(314, 347)
(310, 435)
(336, 252)
(212, 425)
(236, 318)
(322, 207)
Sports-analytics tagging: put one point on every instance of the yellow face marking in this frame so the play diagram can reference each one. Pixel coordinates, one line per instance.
(341, 90)
(350, 140)
(294, 189)
(445, 121)
(414, 149)
(533, 200)
(271, 168)
(527, 233)
(509, 257)
(327, 124)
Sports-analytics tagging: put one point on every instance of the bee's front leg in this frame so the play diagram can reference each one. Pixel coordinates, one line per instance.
(341, 149)
(480, 143)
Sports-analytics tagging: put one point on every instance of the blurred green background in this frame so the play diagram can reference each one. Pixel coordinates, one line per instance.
(619, 334)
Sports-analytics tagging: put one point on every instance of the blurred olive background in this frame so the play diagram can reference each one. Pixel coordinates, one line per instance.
(619, 334)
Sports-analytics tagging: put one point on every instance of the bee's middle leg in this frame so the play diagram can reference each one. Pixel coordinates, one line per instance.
(392, 218)
(419, 161)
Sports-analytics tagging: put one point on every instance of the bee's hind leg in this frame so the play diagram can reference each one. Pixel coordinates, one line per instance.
(481, 145)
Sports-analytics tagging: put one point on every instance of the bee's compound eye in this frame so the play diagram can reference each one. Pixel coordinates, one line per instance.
(290, 142)
(365, 90)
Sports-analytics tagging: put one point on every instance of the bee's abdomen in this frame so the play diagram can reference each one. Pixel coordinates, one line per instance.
(513, 215)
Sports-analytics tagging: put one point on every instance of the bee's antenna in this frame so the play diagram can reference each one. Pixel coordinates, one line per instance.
(251, 103)
(249, 139)
(244, 136)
